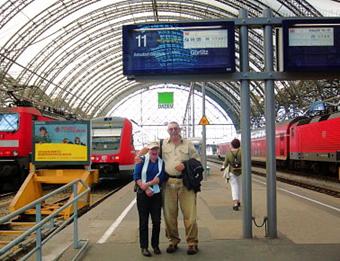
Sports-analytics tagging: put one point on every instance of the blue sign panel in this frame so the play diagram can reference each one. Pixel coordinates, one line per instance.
(178, 48)
(311, 45)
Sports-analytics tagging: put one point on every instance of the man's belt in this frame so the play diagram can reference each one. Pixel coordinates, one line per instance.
(175, 177)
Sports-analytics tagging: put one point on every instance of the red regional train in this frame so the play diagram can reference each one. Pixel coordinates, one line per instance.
(113, 151)
(16, 124)
(302, 143)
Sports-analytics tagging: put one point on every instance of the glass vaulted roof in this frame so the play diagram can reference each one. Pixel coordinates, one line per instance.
(68, 53)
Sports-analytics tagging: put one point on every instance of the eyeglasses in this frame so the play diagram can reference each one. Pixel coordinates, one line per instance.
(173, 129)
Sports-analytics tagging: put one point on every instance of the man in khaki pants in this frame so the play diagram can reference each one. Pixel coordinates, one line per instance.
(175, 150)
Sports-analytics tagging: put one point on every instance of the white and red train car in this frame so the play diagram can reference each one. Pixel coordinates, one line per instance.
(282, 138)
(316, 141)
(222, 149)
(302, 143)
(113, 151)
(16, 126)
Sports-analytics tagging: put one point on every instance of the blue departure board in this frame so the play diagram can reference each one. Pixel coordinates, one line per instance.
(311, 45)
(179, 48)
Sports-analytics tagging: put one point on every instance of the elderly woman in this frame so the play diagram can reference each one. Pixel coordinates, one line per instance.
(148, 175)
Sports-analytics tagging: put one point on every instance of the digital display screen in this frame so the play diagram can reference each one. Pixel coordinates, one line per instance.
(311, 45)
(179, 48)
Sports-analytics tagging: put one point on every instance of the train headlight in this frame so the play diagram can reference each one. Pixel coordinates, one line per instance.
(93, 158)
(15, 153)
(115, 157)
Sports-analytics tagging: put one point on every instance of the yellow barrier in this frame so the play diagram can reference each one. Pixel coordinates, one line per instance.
(31, 189)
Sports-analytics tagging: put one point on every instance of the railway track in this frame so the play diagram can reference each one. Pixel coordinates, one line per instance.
(19, 225)
(98, 198)
(4, 195)
(5, 200)
(325, 185)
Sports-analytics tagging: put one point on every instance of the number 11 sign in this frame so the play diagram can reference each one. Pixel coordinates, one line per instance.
(179, 48)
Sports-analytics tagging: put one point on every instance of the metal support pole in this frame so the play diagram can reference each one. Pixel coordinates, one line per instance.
(75, 218)
(52, 223)
(38, 256)
(193, 110)
(270, 128)
(187, 114)
(245, 130)
(188, 117)
(204, 135)
(189, 110)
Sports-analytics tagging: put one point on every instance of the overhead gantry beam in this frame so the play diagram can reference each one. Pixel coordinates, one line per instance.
(77, 46)
(94, 63)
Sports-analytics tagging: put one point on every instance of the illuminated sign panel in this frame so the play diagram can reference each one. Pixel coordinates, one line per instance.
(178, 48)
(165, 100)
(61, 142)
(313, 36)
(311, 45)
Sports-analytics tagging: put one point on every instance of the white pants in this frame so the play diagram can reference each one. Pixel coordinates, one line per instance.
(235, 186)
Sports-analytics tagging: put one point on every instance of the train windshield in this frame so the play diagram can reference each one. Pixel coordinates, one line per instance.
(106, 139)
(197, 144)
(9, 122)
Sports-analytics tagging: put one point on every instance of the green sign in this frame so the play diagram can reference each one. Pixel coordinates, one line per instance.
(165, 100)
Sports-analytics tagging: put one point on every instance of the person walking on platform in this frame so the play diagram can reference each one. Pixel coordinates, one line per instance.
(232, 162)
(148, 175)
(176, 150)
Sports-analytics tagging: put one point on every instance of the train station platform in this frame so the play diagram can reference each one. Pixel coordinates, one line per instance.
(308, 227)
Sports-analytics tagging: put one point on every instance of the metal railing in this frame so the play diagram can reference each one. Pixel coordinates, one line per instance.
(41, 222)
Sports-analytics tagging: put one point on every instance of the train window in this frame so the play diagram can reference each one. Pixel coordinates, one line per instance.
(197, 144)
(106, 132)
(198, 148)
(324, 117)
(304, 121)
(106, 138)
(105, 143)
(9, 122)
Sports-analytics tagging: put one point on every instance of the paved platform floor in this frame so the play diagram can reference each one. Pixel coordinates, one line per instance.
(308, 227)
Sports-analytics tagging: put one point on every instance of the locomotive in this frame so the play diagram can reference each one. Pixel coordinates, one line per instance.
(16, 124)
(304, 143)
(113, 151)
(309, 143)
